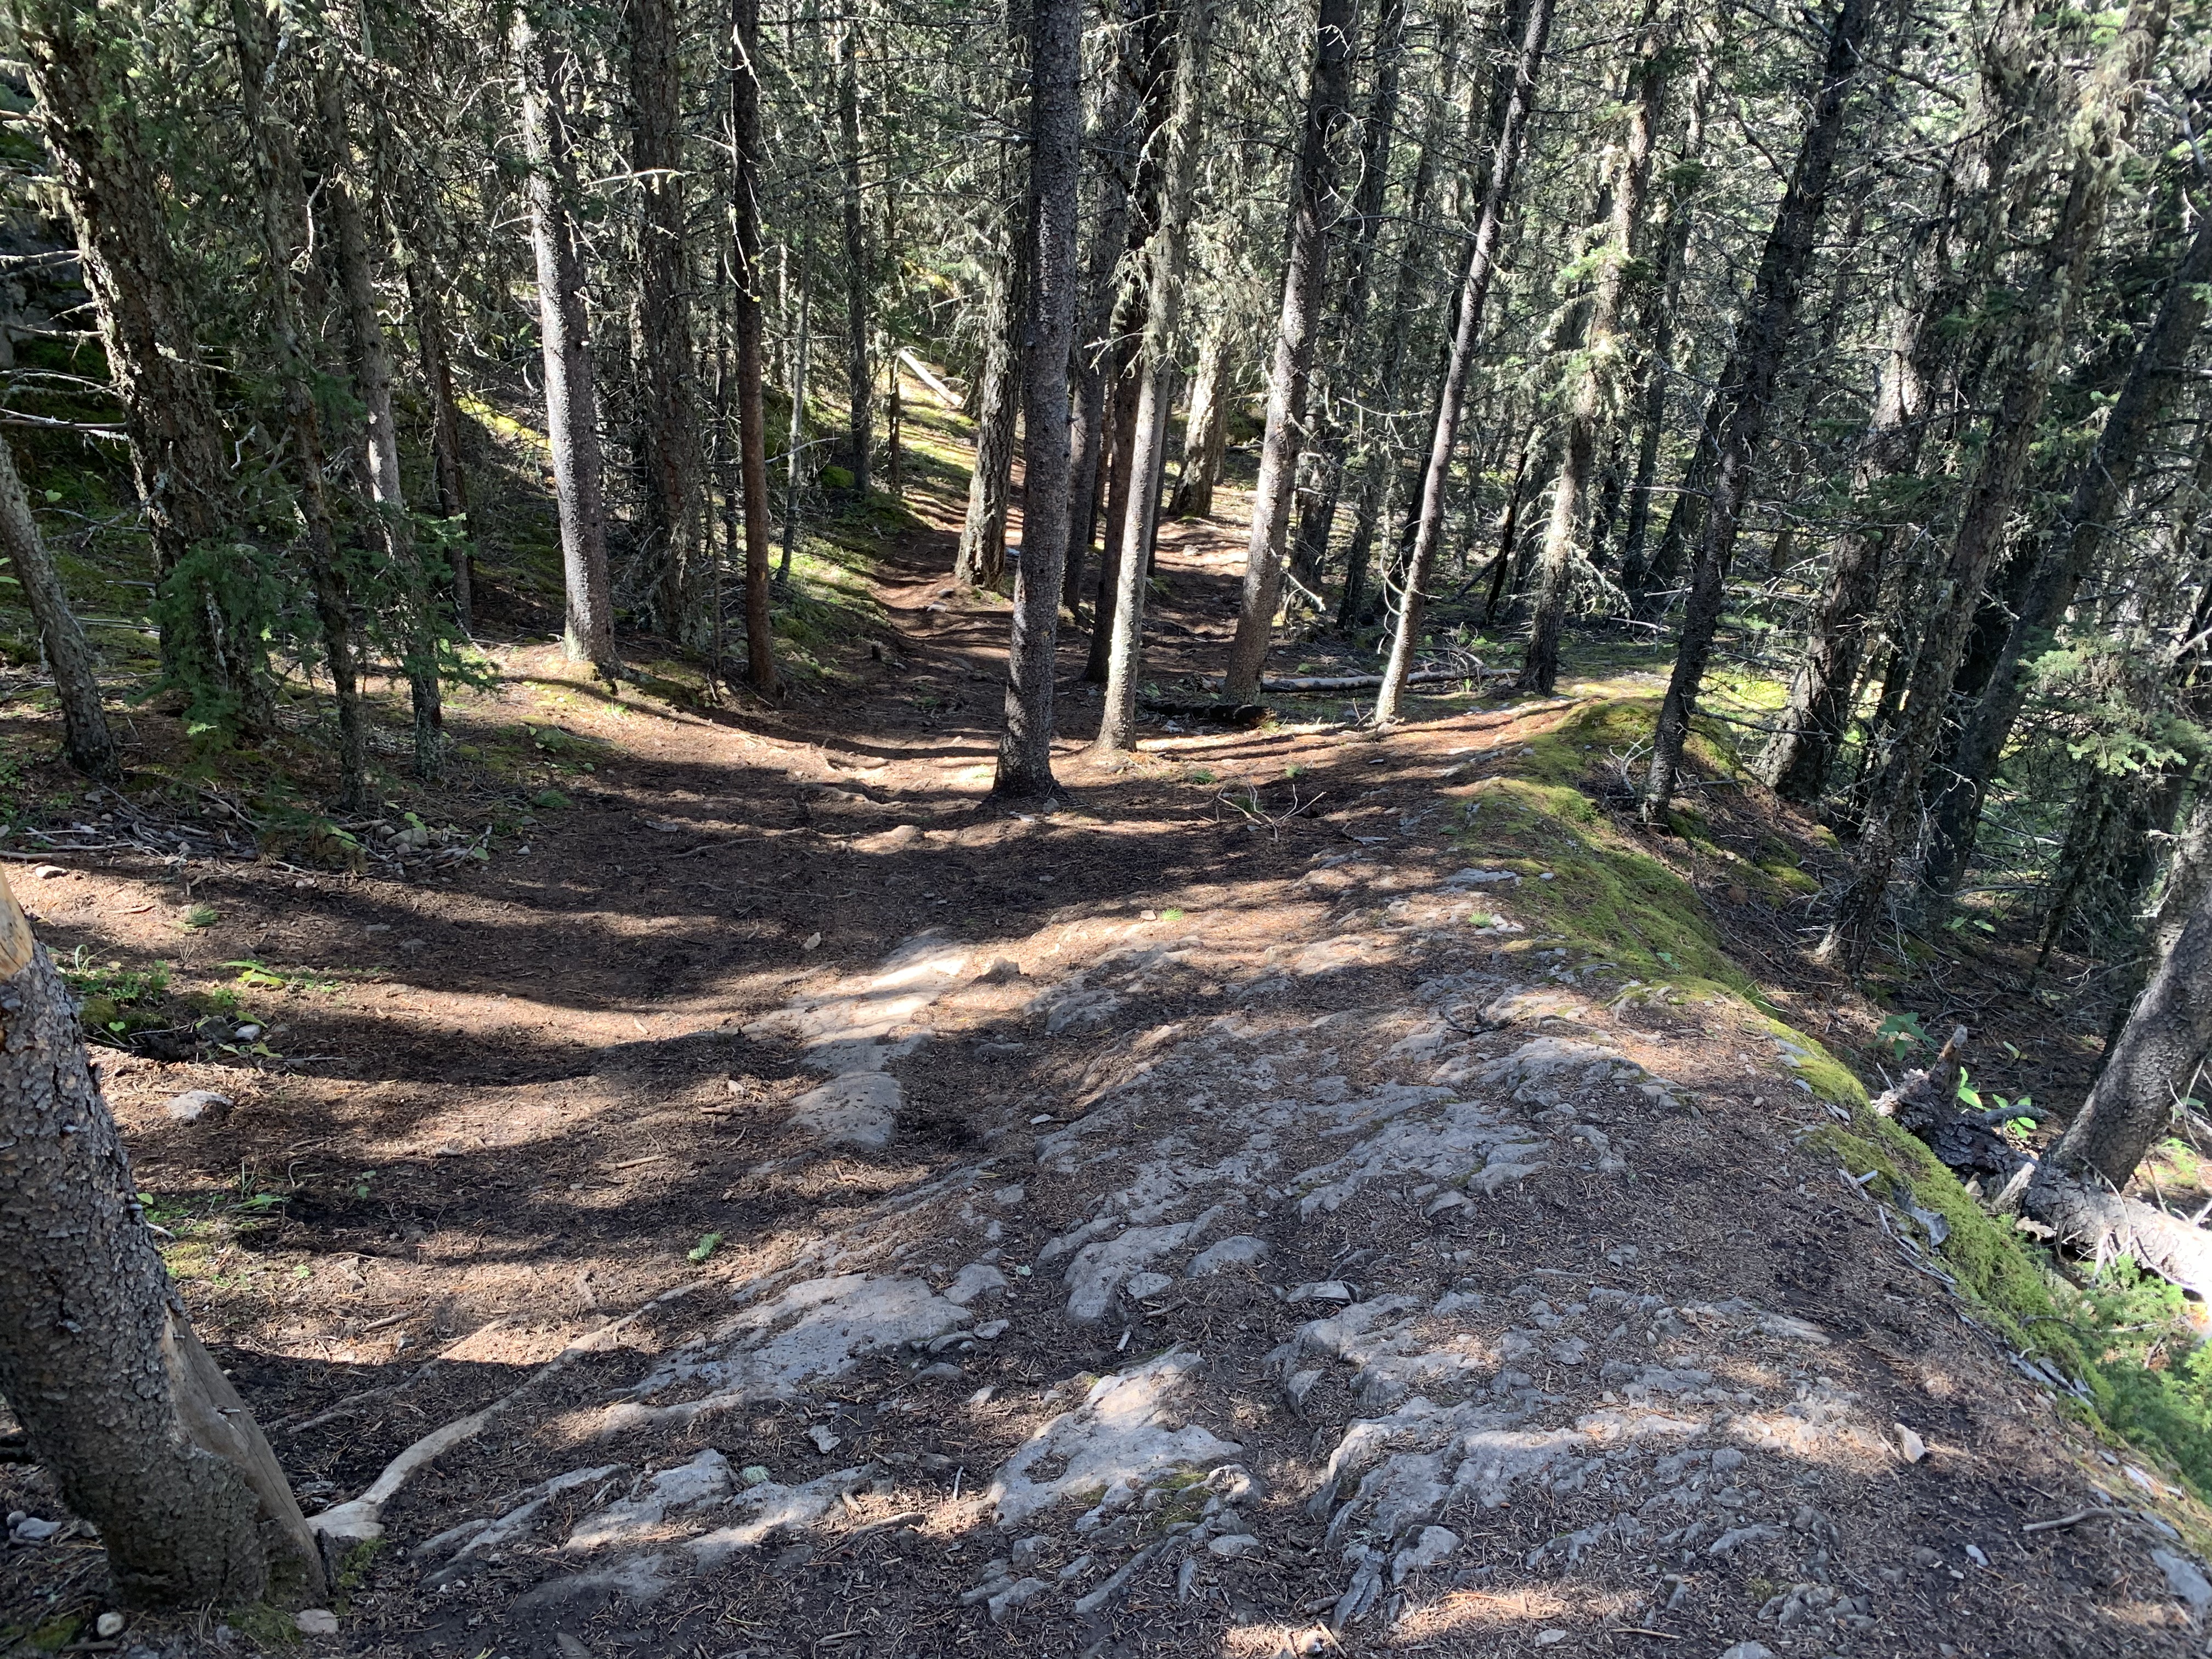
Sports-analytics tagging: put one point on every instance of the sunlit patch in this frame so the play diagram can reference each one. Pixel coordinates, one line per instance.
(1530, 1607)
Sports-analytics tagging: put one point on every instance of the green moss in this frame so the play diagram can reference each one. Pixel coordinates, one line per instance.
(57, 1634)
(1790, 876)
(1827, 1077)
(267, 1625)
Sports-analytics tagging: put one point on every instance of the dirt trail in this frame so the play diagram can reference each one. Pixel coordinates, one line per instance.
(1204, 1221)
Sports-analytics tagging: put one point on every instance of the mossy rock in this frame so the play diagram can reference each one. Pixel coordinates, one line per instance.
(836, 477)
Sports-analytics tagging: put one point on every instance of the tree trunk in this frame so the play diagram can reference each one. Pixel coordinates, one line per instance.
(1313, 209)
(1533, 19)
(1121, 435)
(1025, 768)
(860, 376)
(802, 362)
(2028, 361)
(572, 403)
(1813, 721)
(2059, 561)
(1378, 461)
(284, 215)
(752, 415)
(1090, 413)
(69, 654)
(1185, 137)
(371, 376)
(672, 530)
(1603, 371)
(447, 471)
(89, 116)
(1204, 431)
(121, 1405)
(1761, 341)
(1317, 517)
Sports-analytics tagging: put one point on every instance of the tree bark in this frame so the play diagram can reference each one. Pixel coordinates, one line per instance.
(447, 469)
(121, 1405)
(572, 403)
(1114, 141)
(1379, 125)
(752, 415)
(672, 509)
(371, 377)
(69, 654)
(88, 117)
(1186, 138)
(283, 216)
(1534, 18)
(1025, 768)
(859, 298)
(2058, 560)
(1761, 340)
(2028, 361)
(1604, 373)
(1312, 210)
(1204, 431)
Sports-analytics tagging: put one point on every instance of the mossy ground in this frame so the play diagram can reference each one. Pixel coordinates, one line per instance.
(1593, 883)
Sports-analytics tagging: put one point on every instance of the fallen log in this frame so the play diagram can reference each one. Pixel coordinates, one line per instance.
(2090, 1221)
(1295, 683)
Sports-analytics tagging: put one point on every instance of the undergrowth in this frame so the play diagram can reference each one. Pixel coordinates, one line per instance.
(2127, 1338)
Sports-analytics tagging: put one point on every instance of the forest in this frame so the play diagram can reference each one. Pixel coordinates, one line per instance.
(1355, 681)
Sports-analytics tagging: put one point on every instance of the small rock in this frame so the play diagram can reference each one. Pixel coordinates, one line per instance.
(976, 1279)
(107, 1625)
(942, 1371)
(1026, 1551)
(1552, 1637)
(249, 1033)
(1234, 1482)
(32, 1530)
(1748, 1651)
(571, 1647)
(1022, 1589)
(315, 1621)
(990, 1328)
(1233, 1547)
(47, 871)
(824, 1442)
(1141, 1286)
(1432, 1549)
(414, 944)
(1911, 1444)
(1240, 1251)
(1326, 1290)
(2185, 1580)
(198, 1106)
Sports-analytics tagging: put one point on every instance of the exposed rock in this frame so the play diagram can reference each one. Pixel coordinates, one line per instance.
(859, 1110)
(1124, 1432)
(197, 1106)
(1243, 1250)
(976, 1280)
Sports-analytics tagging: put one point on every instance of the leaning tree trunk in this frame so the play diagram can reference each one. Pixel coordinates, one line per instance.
(1761, 342)
(1313, 206)
(120, 1404)
(1025, 768)
(1596, 387)
(1511, 133)
(2098, 137)
(674, 533)
(1117, 720)
(2059, 562)
(752, 413)
(572, 401)
(69, 654)
(88, 117)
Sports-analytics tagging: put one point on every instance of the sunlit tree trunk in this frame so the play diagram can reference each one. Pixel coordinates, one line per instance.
(572, 403)
(859, 268)
(85, 738)
(752, 415)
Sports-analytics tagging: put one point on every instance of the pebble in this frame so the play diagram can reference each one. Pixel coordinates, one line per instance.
(315, 1621)
(47, 871)
(1748, 1651)
(32, 1530)
(990, 1328)
(107, 1625)
(1552, 1637)
(197, 1106)
(942, 1371)
(1911, 1444)
(824, 1442)
(1234, 1545)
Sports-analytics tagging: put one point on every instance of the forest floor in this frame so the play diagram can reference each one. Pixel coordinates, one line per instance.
(1314, 1194)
